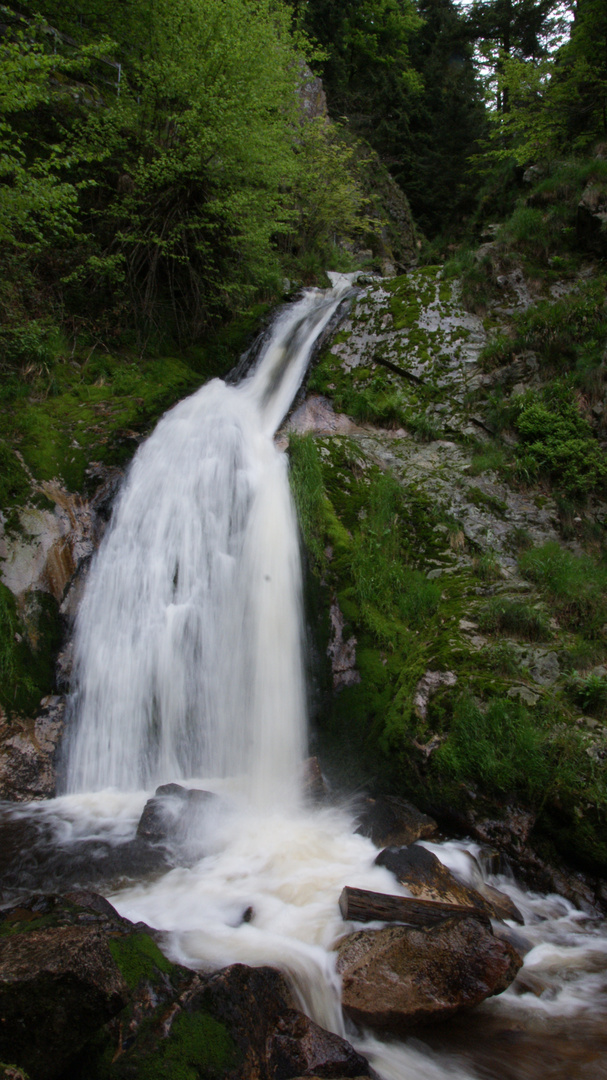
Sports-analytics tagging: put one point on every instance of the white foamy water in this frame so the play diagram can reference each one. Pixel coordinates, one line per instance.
(189, 668)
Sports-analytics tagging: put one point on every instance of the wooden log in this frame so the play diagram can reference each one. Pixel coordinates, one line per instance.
(361, 905)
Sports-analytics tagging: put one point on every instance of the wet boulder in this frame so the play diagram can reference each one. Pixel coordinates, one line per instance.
(298, 1046)
(401, 976)
(34, 860)
(58, 985)
(390, 820)
(501, 905)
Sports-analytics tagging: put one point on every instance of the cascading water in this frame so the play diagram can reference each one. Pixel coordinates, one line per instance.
(188, 655)
(188, 666)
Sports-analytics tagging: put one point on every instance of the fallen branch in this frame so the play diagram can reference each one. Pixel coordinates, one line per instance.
(377, 359)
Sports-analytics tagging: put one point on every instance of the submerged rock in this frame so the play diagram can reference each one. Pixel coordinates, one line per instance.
(395, 978)
(172, 812)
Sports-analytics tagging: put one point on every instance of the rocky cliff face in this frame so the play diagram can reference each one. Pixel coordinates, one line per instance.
(44, 556)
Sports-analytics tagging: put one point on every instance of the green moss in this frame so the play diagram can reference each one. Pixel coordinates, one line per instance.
(15, 487)
(138, 957)
(93, 411)
(197, 1048)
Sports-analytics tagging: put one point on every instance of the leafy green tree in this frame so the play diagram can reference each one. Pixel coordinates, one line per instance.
(519, 29)
(177, 157)
(38, 189)
(367, 71)
(446, 120)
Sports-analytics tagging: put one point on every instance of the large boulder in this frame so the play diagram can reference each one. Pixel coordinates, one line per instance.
(84, 990)
(178, 819)
(395, 978)
(58, 985)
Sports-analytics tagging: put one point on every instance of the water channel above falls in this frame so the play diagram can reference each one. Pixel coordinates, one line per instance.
(189, 668)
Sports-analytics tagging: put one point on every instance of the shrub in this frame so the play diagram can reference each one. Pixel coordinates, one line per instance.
(575, 584)
(526, 229)
(590, 693)
(499, 745)
(558, 442)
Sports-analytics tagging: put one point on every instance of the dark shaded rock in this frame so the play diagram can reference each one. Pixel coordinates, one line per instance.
(80, 949)
(427, 878)
(34, 859)
(314, 786)
(390, 820)
(58, 985)
(276, 1040)
(400, 976)
(300, 1047)
(171, 789)
(510, 834)
(591, 220)
(250, 1002)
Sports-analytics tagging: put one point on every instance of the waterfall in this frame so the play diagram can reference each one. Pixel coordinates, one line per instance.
(189, 667)
(188, 646)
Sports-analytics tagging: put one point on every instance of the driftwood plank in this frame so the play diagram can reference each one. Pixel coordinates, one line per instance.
(361, 905)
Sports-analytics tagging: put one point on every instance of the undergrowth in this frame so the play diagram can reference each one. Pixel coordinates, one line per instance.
(575, 585)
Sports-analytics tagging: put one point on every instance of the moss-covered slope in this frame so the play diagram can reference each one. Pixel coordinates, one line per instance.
(430, 550)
